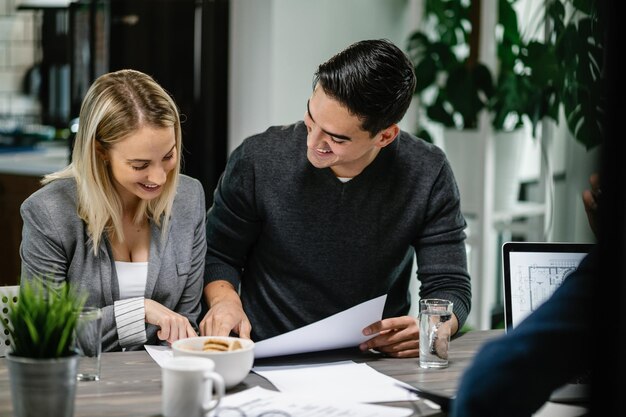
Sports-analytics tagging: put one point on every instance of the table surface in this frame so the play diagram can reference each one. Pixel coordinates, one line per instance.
(130, 383)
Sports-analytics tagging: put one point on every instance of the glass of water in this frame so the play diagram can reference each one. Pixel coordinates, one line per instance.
(89, 343)
(435, 329)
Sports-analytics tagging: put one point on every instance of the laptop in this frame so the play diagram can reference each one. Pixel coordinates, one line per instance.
(532, 271)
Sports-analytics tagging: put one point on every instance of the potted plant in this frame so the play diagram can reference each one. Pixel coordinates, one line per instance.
(42, 363)
(534, 78)
(452, 85)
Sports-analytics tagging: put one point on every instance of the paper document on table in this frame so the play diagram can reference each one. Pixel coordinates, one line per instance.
(337, 381)
(256, 401)
(159, 353)
(551, 409)
(340, 330)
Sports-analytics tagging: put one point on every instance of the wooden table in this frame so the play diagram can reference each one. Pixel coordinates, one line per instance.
(130, 382)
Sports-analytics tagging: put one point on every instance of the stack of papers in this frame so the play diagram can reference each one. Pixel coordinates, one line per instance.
(338, 381)
(257, 400)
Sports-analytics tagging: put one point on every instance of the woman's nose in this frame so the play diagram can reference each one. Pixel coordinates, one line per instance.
(157, 175)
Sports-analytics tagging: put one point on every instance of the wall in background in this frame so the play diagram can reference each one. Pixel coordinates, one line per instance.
(18, 46)
(276, 46)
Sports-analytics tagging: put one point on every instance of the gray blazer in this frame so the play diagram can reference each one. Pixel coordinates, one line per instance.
(55, 245)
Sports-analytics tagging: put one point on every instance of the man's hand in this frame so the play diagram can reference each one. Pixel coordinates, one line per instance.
(590, 200)
(398, 336)
(225, 312)
(172, 326)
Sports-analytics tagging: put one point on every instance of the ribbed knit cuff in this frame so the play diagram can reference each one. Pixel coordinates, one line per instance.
(215, 271)
(130, 319)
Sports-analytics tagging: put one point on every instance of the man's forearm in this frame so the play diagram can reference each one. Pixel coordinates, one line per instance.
(220, 290)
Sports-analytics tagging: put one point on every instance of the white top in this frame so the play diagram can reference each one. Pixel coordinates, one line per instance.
(132, 277)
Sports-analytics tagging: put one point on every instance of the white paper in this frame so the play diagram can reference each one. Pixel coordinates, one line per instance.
(257, 400)
(345, 380)
(551, 409)
(340, 330)
(160, 354)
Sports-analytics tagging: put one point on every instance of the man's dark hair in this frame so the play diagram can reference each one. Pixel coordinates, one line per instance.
(374, 79)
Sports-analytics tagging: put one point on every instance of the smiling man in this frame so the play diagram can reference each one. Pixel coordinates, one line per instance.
(313, 218)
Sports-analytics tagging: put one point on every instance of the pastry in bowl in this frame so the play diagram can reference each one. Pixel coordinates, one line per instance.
(233, 356)
(214, 344)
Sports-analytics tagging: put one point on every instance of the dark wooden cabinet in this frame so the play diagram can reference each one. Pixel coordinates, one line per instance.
(14, 189)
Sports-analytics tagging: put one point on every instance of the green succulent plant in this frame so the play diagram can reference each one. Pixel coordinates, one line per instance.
(41, 323)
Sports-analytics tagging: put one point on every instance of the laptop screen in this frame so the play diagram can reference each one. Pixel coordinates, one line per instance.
(532, 271)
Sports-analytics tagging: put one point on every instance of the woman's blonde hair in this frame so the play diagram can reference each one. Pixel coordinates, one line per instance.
(116, 105)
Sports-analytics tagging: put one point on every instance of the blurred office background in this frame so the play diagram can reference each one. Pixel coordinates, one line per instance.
(236, 67)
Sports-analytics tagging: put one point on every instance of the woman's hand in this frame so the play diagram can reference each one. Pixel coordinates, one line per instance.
(172, 326)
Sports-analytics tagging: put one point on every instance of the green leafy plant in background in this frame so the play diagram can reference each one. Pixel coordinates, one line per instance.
(452, 84)
(534, 78)
(41, 323)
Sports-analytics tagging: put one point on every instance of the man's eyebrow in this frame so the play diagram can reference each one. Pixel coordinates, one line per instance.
(148, 160)
(334, 135)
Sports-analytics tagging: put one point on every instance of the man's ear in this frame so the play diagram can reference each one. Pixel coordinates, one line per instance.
(388, 135)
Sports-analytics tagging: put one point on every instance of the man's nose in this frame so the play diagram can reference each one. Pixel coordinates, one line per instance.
(316, 135)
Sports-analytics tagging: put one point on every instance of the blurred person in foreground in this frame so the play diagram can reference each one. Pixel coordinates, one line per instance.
(514, 375)
(582, 325)
(120, 221)
(313, 218)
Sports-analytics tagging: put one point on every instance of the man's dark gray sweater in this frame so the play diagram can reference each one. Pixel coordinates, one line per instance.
(303, 245)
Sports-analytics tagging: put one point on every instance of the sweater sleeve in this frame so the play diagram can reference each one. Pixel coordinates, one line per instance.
(130, 319)
(42, 251)
(440, 247)
(189, 302)
(232, 223)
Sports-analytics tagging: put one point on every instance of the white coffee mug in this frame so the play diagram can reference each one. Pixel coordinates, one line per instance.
(188, 385)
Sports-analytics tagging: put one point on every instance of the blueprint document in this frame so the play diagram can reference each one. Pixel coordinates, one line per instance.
(340, 330)
(535, 276)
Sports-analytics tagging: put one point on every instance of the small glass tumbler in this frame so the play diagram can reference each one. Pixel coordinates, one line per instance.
(435, 329)
(89, 343)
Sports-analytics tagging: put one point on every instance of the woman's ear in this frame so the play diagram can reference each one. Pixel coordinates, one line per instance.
(102, 153)
(388, 135)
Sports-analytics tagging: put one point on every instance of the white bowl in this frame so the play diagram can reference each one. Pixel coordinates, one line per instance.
(232, 365)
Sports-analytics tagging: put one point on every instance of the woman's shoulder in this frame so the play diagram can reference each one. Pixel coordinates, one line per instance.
(53, 205)
(57, 195)
(190, 192)
(189, 184)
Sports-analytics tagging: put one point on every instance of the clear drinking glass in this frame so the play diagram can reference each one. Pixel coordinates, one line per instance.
(435, 329)
(89, 343)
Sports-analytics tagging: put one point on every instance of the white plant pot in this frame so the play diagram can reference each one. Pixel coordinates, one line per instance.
(508, 156)
(466, 152)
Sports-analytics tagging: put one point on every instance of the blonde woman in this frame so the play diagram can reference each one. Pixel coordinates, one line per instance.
(120, 221)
